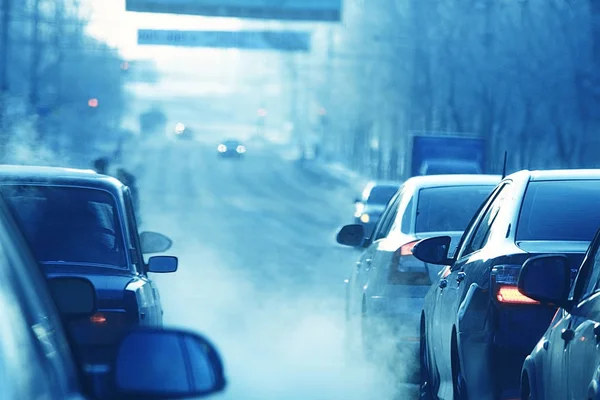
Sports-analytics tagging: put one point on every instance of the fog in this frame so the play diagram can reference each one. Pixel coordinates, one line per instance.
(260, 273)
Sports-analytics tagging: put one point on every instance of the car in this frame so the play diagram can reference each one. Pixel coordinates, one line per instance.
(80, 223)
(39, 361)
(565, 363)
(476, 327)
(386, 288)
(231, 149)
(372, 202)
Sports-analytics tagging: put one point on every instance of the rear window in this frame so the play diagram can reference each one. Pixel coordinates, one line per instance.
(449, 208)
(68, 224)
(560, 210)
(382, 194)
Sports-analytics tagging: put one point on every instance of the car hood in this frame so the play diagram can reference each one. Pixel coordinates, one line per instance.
(110, 283)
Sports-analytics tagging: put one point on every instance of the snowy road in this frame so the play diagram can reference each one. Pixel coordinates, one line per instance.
(260, 273)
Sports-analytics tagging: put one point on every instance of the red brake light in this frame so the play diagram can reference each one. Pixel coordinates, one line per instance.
(98, 319)
(509, 294)
(406, 250)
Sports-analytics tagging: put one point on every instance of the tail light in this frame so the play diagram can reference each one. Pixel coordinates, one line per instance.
(401, 274)
(504, 281)
(112, 318)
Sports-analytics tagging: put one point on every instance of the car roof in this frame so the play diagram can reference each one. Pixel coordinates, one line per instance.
(425, 181)
(561, 174)
(26, 174)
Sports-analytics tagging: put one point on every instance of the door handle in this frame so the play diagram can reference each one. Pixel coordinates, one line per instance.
(443, 283)
(567, 335)
(460, 277)
(368, 262)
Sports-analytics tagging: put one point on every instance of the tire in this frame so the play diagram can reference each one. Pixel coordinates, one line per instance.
(458, 380)
(526, 388)
(425, 384)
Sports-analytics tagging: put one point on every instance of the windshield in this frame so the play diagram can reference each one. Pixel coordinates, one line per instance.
(551, 207)
(68, 225)
(448, 209)
(381, 195)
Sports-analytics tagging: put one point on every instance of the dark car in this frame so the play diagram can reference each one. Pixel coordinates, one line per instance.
(476, 327)
(372, 202)
(38, 361)
(565, 364)
(231, 149)
(79, 223)
(386, 288)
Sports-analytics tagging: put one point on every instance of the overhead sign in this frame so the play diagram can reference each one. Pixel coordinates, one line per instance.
(299, 10)
(254, 40)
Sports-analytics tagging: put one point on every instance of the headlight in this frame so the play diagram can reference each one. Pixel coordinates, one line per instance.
(365, 218)
(222, 148)
(240, 149)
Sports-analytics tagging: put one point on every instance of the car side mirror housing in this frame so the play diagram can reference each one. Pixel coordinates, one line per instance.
(154, 242)
(434, 250)
(162, 264)
(166, 364)
(547, 279)
(351, 235)
(74, 297)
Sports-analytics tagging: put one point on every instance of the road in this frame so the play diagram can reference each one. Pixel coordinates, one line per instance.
(260, 273)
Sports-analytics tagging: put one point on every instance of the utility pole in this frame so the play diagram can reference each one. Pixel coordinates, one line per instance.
(4, 54)
(35, 59)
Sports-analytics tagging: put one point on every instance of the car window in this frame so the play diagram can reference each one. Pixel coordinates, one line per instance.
(69, 224)
(550, 207)
(588, 281)
(480, 235)
(381, 194)
(448, 208)
(407, 217)
(387, 219)
(134, 238)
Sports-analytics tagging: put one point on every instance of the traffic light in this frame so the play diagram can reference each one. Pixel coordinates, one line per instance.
(93, 103)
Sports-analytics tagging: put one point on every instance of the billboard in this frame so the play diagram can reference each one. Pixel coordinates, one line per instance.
(252, 40)
(292, 10)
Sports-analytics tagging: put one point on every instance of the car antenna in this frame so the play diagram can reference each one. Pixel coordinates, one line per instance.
(504, 164)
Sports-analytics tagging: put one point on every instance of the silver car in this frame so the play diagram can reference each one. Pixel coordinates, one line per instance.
(386, 288)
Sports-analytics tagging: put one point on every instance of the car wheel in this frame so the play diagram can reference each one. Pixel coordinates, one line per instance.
(425, 384)
(458, 379)
(366, 333)
(526, 388)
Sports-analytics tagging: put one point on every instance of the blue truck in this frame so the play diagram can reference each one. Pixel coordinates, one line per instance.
(435, 153)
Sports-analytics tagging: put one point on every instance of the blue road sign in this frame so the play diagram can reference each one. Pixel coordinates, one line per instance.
(253, 40)
(299, 10)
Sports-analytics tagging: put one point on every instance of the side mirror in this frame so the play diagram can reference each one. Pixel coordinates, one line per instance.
(162, 264)
(74, 297)
(166, 364)
(434, 250)
(351, 235)
(547, 279)
(153, 242)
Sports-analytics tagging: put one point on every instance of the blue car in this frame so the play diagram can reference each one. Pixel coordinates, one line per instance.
(476, 326)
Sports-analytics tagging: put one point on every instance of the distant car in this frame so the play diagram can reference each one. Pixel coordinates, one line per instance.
(387, 286)
(476, 327)
(371, 203)
(565, 363)
(231, 149)
(40, 362)
(80, 223)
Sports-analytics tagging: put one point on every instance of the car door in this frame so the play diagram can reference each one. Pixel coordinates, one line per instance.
(360, 277)
(148, 291)
(35, 359)
(451, 285)
(579, 336)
